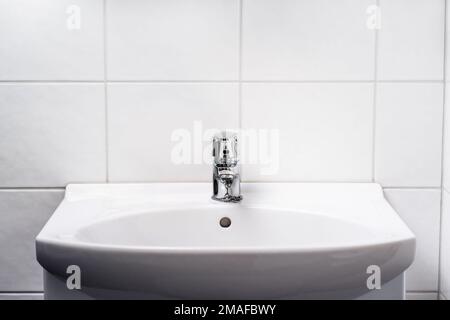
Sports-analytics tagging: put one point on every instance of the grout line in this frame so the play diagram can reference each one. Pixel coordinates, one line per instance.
(409, 295)
(246, 181)
(144, 81)
(374, 107)
(22, 292)
(51, 81)
(32, 188)
(268, 81)
(409, 81)
(412, 188)
(21, 295)
(105, 84)
(442, 146)
(241, 3)
(275, 181)
(106, 135)
(423, 292)
(240, 54)
(172, 81)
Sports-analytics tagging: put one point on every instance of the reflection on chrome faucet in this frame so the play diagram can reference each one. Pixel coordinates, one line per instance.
(226, 175)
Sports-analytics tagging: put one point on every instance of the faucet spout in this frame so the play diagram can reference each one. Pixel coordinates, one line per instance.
(226, 173)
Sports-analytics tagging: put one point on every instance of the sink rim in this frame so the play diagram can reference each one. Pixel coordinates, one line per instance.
(79, 245)
(80, 194)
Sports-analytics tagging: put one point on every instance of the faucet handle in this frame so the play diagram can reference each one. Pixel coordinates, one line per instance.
(225, 148)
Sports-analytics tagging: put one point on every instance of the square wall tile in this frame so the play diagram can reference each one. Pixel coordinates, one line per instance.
(411, 40)
(445, 246)
(51, 134)
(163, 132)
(315, 131)
(420, 209)
(51, 40)
(409, 134)
(307, 40)
(173, 40)
(22, 216)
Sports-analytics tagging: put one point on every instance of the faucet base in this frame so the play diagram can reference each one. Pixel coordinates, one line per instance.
(227, 198)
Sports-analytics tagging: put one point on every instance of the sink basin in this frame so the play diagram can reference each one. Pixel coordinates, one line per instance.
(166, 241)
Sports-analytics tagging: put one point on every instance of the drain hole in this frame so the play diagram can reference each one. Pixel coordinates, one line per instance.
(225, 222)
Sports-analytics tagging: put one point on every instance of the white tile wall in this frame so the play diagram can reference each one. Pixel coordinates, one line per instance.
(411, 40)
(144, 121)
(22, 216)
(148, 67)
(409, 134)
(51, 134)
(420, 209)
(171, 39)
(37, 45)
(325, 130)
(307, 40)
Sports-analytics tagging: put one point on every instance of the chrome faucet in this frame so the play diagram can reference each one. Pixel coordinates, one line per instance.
(226, 175)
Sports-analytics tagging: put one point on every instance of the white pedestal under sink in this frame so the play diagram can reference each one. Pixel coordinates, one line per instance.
(166, 241)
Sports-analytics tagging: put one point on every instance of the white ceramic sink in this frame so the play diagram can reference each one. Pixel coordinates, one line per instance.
(286, 240)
